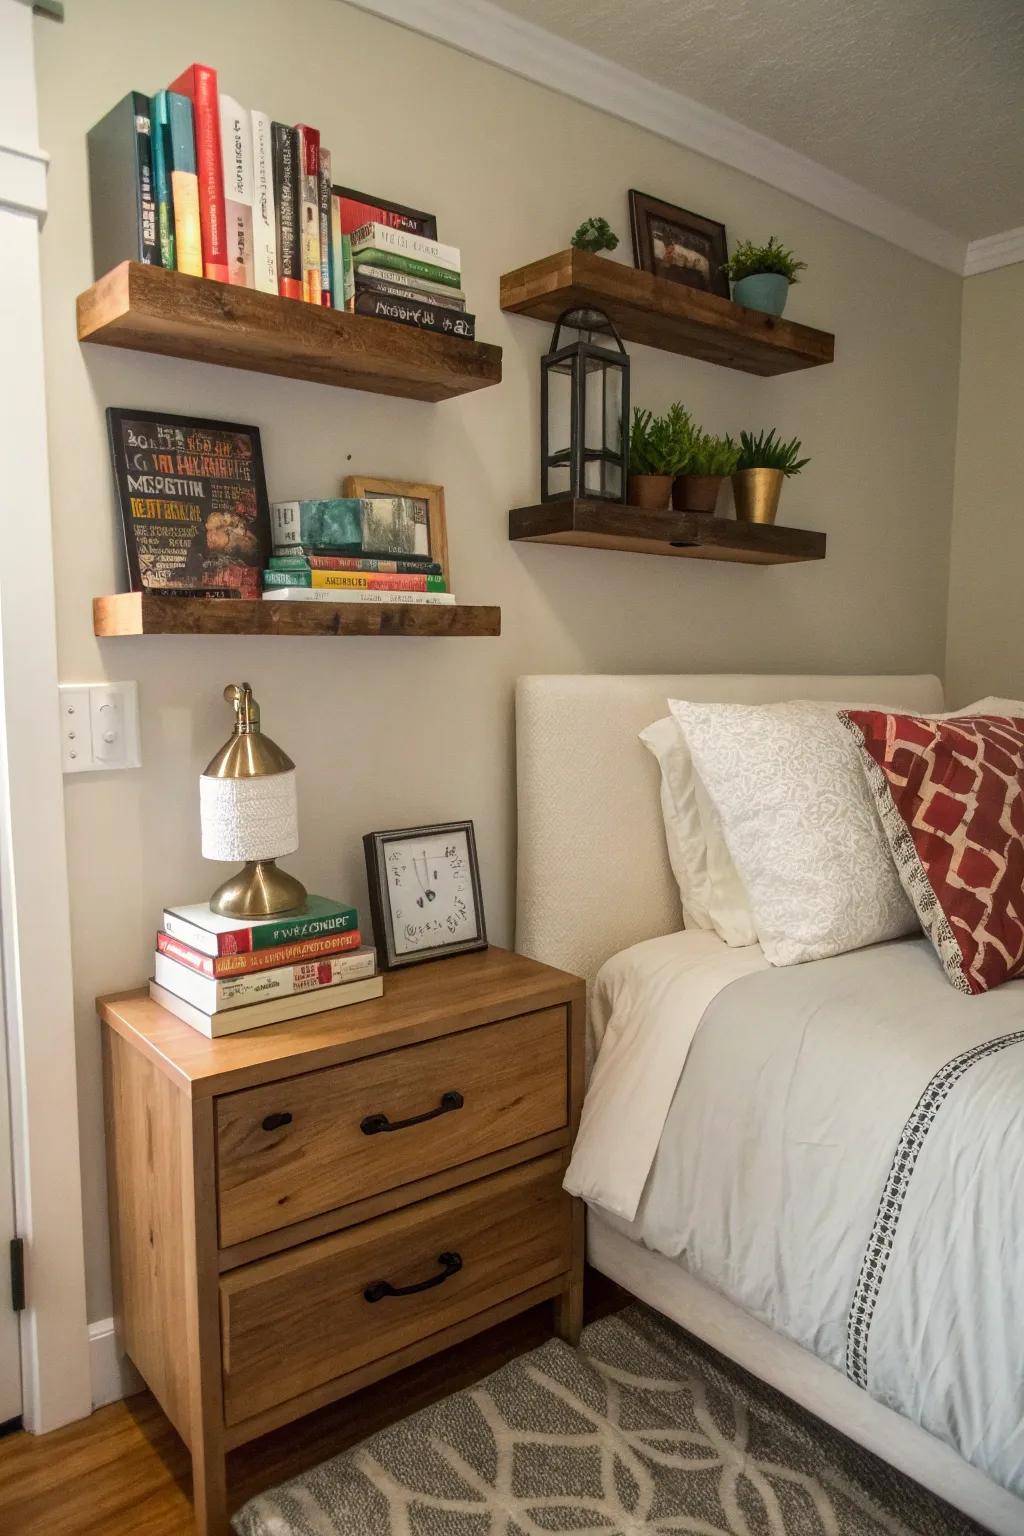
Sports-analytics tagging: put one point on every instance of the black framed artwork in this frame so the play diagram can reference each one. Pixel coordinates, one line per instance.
(425, 895)
(359, 208)
(193, 501)
(677, 245)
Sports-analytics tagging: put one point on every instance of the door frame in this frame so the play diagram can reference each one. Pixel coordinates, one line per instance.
(34, 909)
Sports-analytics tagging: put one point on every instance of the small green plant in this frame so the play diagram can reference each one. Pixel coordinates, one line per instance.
(768, 451)
(660, 445)
(711, 455)
(595, 235)
(749, 259)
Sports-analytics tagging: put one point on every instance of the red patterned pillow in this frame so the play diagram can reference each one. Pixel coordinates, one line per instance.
(951, 797)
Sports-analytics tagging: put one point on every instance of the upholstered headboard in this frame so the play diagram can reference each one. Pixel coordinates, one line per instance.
(593, 873)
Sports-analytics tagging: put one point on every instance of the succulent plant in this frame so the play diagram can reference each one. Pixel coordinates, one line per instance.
(768, 451)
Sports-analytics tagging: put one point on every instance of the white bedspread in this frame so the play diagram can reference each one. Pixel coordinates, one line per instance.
(837, 1147)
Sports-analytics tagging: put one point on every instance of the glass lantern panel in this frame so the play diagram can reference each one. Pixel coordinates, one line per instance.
(603, 408)
(602, 476)
(559, 406)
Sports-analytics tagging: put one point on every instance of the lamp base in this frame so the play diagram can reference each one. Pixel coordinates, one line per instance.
(258, 890)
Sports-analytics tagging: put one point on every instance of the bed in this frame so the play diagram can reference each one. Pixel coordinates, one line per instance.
(731, 1258)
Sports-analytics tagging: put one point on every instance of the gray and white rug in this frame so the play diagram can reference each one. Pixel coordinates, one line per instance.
(640, 1431)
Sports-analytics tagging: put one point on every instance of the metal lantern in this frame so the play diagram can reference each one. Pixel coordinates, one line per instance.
(584, 411)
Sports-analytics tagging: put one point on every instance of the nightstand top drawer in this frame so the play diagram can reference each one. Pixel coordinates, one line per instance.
(419, 1003)
(306, 1145)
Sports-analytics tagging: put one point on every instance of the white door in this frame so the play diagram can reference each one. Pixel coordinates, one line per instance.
(10, 1353)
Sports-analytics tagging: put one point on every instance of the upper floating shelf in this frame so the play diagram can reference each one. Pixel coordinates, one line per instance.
(658, 313)
(140, 613)
(148, 309)
(613, 525)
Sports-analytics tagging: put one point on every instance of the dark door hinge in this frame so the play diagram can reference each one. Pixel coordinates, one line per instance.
(18, 1274)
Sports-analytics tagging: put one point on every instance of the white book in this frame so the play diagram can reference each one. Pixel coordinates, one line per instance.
(213, 995)
(236, 156)
(355, 595)
(275, 1010)
(381, 237)
(264, 230)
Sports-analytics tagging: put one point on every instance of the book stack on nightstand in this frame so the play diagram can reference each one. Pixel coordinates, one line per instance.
(223, 975)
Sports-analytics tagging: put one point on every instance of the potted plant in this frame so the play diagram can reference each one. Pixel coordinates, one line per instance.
(595, 235)
(710, 459)
(765, 461)
(658, 449)
(761, 275)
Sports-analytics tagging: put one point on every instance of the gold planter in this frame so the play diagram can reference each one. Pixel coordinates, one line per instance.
(756, 493)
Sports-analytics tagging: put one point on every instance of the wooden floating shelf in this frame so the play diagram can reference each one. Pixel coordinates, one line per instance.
(138, 613)
(692, 535)
(148, 309)
(659, 313)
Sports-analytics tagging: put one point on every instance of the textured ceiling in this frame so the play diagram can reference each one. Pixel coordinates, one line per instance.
(920, 101)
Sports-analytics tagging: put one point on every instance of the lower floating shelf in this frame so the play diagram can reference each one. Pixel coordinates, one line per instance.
(615, 525)
(138, 613)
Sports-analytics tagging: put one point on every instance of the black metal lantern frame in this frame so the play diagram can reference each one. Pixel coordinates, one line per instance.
(591, 367)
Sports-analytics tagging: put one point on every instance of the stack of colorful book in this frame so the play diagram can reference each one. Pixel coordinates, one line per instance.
(223, 975)
(353, 550)
(190, 180)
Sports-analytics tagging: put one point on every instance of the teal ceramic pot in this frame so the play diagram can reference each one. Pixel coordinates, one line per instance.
(766, 291)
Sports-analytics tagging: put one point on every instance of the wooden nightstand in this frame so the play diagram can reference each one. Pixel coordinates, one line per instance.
(303, 1209)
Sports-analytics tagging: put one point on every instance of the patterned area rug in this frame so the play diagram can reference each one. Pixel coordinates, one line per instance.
(640, 1430)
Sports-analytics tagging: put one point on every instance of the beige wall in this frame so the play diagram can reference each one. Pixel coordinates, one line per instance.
(393, 732)
(986, 615)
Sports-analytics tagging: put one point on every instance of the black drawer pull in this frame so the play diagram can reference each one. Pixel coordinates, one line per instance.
(374, 1124)
(275, 1122)
(450, 1264)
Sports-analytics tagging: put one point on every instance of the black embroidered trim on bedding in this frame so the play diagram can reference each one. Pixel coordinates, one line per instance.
(883, 1232)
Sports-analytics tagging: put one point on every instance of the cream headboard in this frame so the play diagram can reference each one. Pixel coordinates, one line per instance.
(593, 874)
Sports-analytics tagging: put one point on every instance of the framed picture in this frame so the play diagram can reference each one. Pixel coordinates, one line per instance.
(424, 893)
(193, 502)
(359, 208)
(680, 246)
(408, 521)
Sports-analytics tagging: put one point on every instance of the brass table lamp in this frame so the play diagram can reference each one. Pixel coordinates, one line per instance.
(249, 811)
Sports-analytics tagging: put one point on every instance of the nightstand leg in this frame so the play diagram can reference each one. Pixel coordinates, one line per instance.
(569, 1313)
(209, 1492)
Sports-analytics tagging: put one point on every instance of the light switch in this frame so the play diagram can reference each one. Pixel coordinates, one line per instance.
(99, 726)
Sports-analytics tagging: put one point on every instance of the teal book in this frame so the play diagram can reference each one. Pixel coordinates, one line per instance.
(184, 182)
(335, 524)
(294, 576)
(161, 136)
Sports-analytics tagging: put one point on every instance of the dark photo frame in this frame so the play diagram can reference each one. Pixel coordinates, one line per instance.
(425, 895)
(413, 220)
(677, 245)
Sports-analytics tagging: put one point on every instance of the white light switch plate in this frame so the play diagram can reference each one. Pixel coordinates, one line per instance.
(99, 726)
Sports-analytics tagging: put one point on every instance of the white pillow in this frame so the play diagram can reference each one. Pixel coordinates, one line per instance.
(710, 890)
(800, 825)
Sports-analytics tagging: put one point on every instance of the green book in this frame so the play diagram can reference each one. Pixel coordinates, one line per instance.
(411, 264)
(161, 138)
(213, 935)
(288, 563)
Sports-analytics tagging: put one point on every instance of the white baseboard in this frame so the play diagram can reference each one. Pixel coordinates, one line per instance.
(112, 1373)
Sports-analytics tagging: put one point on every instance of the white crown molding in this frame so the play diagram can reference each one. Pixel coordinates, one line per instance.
(994, 251)
(487, 32)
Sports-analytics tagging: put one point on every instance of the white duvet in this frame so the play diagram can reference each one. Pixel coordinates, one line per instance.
(837, 1147)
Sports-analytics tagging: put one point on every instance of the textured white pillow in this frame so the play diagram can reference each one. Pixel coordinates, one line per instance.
(710, 890)
(800, 826)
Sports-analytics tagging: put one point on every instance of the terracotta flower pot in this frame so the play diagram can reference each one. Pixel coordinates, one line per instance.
(651, 492)
(756, 493)
(696, 493)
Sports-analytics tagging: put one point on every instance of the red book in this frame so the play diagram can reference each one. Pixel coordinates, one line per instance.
(199, 84)
(309, 210)
(221, 966)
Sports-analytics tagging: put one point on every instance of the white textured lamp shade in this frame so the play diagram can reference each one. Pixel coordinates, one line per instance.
(247, 819)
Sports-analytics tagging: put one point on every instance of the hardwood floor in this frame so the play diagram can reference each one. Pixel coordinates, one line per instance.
(124, 1471)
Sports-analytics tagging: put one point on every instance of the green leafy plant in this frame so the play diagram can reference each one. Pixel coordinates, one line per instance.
(660, 445)
(711, 455)
(748, 260)
(768, 451)
(595, 235)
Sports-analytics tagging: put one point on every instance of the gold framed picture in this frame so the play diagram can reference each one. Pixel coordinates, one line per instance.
(413, 521)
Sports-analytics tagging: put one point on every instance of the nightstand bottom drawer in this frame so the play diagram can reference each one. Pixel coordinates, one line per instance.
(302, 1318)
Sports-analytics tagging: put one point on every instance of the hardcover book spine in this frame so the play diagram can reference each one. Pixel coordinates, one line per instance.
(309, 206)
(199, 84)
(286, 201)
(337, 265)
(258, 960)
(416, 295)
(348, 273)
(383, 237)
(264, 227)
(160, 136)
(184, 185)
(368, 272)
(426, 317)
(236, 147)
(315, 562)
(212, 994)
(240, 941)
(320, 595)
(324, 206)
(354, 580)
(410, 264)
